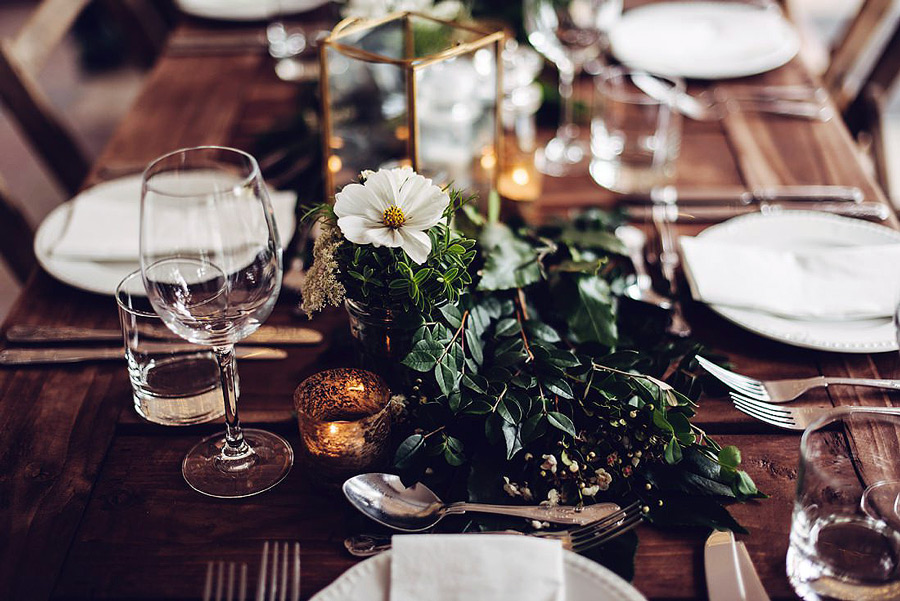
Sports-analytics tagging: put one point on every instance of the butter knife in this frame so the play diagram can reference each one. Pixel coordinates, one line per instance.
(741, 196)
(264, 335)
(730, 575)
(714, 213)
(45, 356)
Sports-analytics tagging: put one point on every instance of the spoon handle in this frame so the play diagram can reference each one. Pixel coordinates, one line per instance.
(558, 514)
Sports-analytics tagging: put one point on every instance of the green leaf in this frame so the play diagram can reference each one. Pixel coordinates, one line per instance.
(452, 315)
(558, 386)
(593, 318)
(596, 239)
(507, 327)
(475, 383)
(541, 331)
(474, 346)
(408, 450)
(562, 422)
(423, 356)
(673, 451)
(512, 437)
(745, 484)
(445, 376)
(730, 456)
(453, 451)
(510, 262)
(534, 427)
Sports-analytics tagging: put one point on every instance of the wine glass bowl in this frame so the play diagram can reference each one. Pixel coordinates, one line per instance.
(212, 266)
(569, 33)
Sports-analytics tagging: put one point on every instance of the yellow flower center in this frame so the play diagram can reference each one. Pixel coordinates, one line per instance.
(393, 217)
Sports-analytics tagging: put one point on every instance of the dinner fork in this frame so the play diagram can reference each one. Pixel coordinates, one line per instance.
(578, 540)
(220, 581)
(793, 418)
(285, 566)
(783, 391)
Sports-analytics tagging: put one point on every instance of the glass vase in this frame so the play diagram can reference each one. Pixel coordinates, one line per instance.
(382, 338)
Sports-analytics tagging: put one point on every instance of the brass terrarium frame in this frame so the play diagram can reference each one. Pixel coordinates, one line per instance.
(410, 66)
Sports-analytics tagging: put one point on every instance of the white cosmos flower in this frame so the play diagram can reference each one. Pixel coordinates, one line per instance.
(395, 207)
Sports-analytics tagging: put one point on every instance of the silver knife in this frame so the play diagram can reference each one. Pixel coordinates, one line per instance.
(730, 575)
(44, 356)
(264, 335)
(741, 196)
(714, 213)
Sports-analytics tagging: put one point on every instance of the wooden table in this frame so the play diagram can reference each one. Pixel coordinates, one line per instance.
(92, 502)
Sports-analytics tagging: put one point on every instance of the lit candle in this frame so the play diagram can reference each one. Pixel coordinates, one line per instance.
(345, 422)
(519, 181)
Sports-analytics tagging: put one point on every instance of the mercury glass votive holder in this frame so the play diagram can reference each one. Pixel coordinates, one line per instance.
(345, 423)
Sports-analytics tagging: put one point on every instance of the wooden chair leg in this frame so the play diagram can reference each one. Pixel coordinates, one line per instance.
(16, 238)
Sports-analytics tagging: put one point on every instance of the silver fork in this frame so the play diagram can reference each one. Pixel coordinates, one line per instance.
(793, 418)
(579, 539)
(220, 581)
(285, 570)
(783, 391)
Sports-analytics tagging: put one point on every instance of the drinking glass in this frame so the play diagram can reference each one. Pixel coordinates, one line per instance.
(845, 540)
(635, 138)
(569, 33)
(211, 265)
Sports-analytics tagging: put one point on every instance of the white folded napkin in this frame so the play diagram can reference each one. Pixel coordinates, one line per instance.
(841, 283)
(473, 567)
(104, 224)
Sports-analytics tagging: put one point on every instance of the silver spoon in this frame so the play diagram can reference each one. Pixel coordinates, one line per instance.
(641, 288)
(383, 498)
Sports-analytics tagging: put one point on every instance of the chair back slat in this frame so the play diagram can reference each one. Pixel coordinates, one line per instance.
(16, 236)
(44, 30)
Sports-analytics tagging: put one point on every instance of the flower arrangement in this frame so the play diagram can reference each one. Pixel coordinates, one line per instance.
(529, 376)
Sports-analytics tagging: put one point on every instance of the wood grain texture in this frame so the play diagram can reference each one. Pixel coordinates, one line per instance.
(92, 503)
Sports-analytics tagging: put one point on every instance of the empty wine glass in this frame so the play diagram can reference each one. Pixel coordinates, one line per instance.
(211, 265)
(569, 33)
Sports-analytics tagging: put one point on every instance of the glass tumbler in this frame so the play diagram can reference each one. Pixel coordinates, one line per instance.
(635, 138)
(173, 382)
(845, 533)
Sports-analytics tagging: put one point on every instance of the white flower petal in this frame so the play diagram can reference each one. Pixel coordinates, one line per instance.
(385, 236)
(428, 209)
(356, 229)
(356, 199)
(416, 244)
(383, 187)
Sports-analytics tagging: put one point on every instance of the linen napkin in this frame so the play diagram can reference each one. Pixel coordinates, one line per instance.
(476, 567)
(104, 223)
(827, 284)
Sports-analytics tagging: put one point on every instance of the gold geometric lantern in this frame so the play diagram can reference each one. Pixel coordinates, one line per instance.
(410, 89)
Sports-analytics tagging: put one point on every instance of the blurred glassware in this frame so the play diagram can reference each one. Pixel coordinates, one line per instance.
(519, 178)
(845, 543)
(635, 138)
(211, 265)
(569, 33)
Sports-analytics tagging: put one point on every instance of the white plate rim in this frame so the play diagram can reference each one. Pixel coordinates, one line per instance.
(260, 11)
(70, 271)
(745, 318)
(616, 588)
(777, 58)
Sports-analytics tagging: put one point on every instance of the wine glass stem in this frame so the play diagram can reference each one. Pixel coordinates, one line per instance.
(234, 437)
(567, 128)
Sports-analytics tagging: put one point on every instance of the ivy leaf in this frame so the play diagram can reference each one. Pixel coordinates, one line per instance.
(593, 317)
(474, 346)
(534, 427)
(510, 262)
(453, 451)
(673, 451)
(562, 422)
(475, 383)
(408, 450)
(730, 456)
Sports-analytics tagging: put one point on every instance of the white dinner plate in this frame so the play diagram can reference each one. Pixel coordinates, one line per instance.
(246, 10)
(102, 277)
(804, 230)
(703, 40)
(585, 580)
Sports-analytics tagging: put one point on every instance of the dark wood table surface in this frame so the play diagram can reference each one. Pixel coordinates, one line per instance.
(92, 501)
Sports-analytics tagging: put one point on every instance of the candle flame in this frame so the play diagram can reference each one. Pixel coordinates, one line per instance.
(356, 387)
(333, 429)
(335, 163)
(520, 176)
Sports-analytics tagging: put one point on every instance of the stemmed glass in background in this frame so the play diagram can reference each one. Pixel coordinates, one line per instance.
(211, 265)
(569, 33)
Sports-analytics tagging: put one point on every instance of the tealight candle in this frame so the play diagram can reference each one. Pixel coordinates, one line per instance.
(345, 422)
(520, 181)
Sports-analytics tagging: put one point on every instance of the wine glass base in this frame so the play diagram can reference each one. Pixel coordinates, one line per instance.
(271, 461)
(559, 157)
(881, 501)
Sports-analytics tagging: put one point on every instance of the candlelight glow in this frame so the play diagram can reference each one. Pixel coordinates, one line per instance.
(335, 163)
(489, 161)
(520, 176)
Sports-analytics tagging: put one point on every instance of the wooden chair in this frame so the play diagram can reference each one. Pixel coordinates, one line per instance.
(16, 237)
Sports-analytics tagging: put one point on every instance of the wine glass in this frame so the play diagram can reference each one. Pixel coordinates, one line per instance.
(211, 265)
(569, 33)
